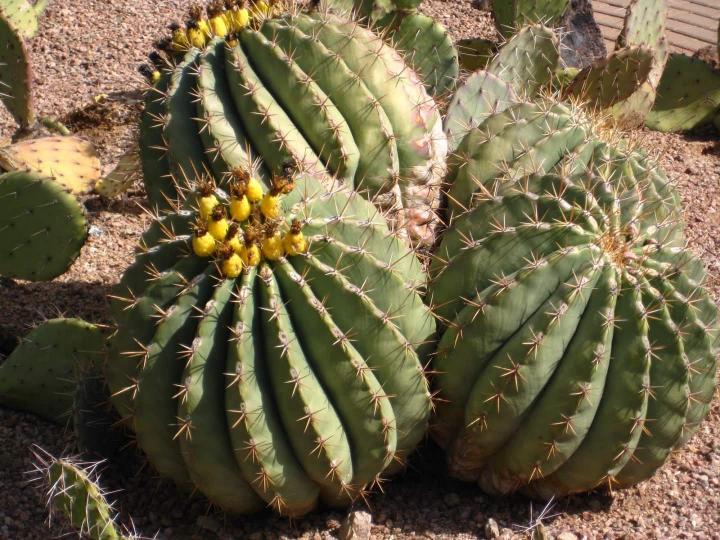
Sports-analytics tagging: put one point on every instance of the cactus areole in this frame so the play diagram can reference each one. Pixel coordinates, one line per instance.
(265, 351)
(580, 348)
(319, 91)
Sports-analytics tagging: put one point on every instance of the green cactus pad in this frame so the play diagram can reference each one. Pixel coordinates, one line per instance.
(42, 228)
(511, 15)
(475, 53)
(645, 24)
(16, 74)
(322, 93)
(295, 383)
(40, 375)
(70, 161)
(481, 96)
(73, 491)
(571, 358)
(427, 48)
(688, 95)
(528, 60)
(614, 78)
(22, 16)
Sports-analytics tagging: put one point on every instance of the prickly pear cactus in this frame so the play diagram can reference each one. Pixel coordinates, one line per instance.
(327, 95)
(614, 78)
(510, 15)
(42, 227)
(645, 24)
(73, 491)
(580, 348)
(15, 75)
(688, 95)
(22, 15)
(265, 352)
(40, 375)
(70, 161)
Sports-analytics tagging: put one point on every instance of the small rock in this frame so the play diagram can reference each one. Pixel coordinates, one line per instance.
(95, 231)
(540, 533)
(357, 526)
(208, 523)
(492, 529)
(566, 536)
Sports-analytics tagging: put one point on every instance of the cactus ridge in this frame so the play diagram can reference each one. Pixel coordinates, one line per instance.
(295, 383)
(325, 95)
(16, 74)
(427, 47)
(71, 162)
(481, 96)
(40, 375)
(568, 324)
(688, 95)
(42, 228)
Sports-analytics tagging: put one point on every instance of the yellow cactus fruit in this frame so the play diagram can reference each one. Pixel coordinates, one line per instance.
(179, 38)
(232, 238)
(217, 21)
(241, 18)
(272, 247)
(195, 35)
(203, 242)
(270, 206)
(218, 224)
(294, 241)
(240, 207)
(232, 266)
(260, 7)
(254, 190)
(208, 201)
(250, 254)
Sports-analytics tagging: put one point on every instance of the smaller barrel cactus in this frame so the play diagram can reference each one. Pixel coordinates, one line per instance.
(579, 346)
(266, 345)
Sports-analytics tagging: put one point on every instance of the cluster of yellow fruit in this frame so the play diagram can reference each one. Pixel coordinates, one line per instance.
(224, 18)
(248, 229)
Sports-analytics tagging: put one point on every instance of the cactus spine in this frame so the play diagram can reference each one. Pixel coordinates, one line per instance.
(299, 382)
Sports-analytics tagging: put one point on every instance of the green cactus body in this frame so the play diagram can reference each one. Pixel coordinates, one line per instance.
(481, 96)
(326, 95)
(510, 15)
(73, 491)
(614, 78)
(571, 358)
(22, 16)
(71, 162)
(42, 227)
(644, 25)
(528, 60)
(426, 46)
(688, 95)
(16, 75)
(40, 375)
(295, 383)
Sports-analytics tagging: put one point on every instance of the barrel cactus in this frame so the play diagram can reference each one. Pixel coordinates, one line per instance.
(579, 346)
(322, 92)
(265, 351)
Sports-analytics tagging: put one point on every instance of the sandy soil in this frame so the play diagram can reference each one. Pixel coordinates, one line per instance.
(91, 47)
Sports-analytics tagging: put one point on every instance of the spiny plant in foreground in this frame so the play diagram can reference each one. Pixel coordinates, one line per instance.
(72, 490)
(278, 366)
(579, 347)
(321, 92)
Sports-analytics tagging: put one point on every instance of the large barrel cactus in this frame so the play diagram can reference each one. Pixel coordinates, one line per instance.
(579, 346)
(322, 92)
(268, 357)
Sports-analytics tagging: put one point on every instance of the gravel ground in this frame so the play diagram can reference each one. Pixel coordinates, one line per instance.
(91, 47)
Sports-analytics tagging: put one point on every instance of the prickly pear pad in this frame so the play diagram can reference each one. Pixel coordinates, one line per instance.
(295, 382)
(571, 356)
(15, 75)
(42, 228)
